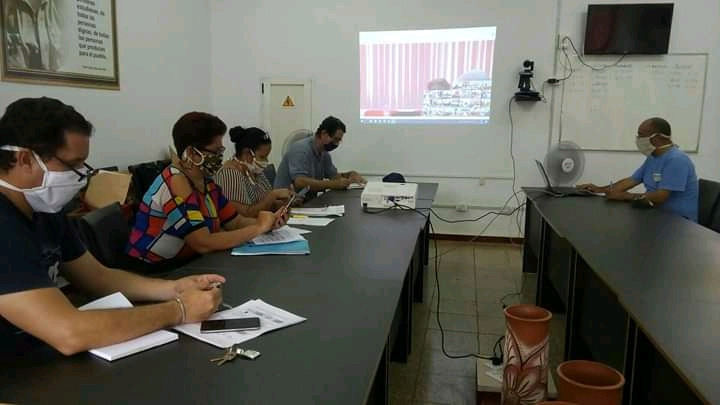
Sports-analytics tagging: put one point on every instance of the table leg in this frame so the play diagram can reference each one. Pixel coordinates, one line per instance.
(403, 343)
(379, 393)
(419, 269)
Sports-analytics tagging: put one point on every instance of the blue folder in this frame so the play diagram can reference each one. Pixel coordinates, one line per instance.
(298, 247)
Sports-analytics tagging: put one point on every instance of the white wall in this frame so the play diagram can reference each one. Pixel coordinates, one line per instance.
(318, 40)
(164, 72)
(694, 30)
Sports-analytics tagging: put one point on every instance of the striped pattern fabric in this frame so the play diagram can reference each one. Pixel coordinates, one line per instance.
(240, 188)
(394, 76)
(164, 220)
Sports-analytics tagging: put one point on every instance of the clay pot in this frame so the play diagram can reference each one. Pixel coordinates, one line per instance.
(525, 373)
(589, 383)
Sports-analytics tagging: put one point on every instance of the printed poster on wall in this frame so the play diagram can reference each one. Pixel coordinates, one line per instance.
(60, 42)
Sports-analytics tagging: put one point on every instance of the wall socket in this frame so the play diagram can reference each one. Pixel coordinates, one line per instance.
(561, 44)
(461, 207)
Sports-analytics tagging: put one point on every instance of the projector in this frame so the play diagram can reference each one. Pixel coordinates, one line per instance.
(387, 195)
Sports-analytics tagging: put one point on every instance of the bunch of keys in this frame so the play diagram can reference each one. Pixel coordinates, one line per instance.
(235, 351)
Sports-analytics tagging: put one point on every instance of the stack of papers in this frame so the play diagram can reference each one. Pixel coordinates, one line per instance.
(307, 221)
(282, 241)
(271, 318)
(120, 350)
(329, 211)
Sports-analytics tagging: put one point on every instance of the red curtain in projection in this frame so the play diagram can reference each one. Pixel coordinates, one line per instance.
(394, 76)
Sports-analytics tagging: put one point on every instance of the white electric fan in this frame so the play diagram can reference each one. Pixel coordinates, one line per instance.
(564, 164)
(294, 137)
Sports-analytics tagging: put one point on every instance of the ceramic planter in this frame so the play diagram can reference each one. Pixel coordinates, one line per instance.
(589, 383)
(525, 373)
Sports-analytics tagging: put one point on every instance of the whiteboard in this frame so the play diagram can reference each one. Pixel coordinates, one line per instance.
(601, 110)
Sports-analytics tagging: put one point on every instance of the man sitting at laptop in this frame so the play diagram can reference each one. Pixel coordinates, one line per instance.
(668, 174)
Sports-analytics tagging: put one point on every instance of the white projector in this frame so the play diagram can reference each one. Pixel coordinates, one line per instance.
(387, 195)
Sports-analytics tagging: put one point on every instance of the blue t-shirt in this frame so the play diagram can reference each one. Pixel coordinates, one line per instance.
(31, 252)
(675, 172)
(302, 159)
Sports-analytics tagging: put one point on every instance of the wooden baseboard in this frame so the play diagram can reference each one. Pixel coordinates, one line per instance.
(497, 240)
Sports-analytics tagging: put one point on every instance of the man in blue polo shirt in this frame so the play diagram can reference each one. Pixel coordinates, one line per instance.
(307, 162)
(43, 148)
(668, 174)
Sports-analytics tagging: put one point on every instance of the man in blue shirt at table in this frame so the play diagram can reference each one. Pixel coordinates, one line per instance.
(44, 144)
(668, 174)
(307, 162)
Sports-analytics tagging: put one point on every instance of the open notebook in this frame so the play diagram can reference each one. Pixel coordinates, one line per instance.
(124, 349)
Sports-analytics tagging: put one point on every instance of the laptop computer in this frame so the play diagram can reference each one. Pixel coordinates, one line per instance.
(560, 191)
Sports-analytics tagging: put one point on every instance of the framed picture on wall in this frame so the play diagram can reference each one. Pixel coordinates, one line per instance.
(60, 42)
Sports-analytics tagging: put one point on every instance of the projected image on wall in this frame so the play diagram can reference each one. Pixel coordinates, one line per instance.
(426, 76)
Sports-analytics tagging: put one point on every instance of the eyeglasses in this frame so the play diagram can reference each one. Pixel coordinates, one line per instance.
(89, 170)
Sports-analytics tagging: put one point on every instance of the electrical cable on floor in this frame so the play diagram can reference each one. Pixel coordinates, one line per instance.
(495, 359)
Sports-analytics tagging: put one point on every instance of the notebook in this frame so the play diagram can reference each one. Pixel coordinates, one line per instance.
(124, 349)
(298, 247)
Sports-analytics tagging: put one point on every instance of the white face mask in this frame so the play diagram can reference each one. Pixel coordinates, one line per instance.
(253, 167)
(645, 146)
(57, 188)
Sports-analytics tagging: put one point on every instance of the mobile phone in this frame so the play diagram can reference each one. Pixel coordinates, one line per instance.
(300, 194)
(230, 325)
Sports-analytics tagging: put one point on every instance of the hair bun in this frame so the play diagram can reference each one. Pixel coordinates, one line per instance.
(236, 134)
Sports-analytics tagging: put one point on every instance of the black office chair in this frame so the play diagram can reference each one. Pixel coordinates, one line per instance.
(709, 192)
(105, 232)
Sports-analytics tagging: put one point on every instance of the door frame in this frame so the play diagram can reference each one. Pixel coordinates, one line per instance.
(265, 90)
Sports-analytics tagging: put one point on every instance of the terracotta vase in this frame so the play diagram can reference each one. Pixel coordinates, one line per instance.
(525, 375)
(589, 383)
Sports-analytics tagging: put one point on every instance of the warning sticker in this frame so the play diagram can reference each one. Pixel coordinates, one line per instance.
(288, 102)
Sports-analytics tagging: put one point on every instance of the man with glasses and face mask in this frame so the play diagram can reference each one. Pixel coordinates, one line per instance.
(668, 174)
(43, 148)
(307, 162)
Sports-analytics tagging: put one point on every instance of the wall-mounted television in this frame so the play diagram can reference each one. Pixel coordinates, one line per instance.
(623, 29)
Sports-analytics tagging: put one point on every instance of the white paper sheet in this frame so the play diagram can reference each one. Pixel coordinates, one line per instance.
(307, 221)
(280, 235)
(354, 186)
(329, 211)
(124, 349)
(300, 231)
(271, 318)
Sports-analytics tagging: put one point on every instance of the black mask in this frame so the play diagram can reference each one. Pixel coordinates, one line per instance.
(330, 146)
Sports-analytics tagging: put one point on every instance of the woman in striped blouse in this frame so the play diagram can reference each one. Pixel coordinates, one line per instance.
(242, 179)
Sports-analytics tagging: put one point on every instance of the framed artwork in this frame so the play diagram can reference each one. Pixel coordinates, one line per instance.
(60, 42)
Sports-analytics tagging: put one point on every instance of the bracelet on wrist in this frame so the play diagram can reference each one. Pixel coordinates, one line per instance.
(181, 305)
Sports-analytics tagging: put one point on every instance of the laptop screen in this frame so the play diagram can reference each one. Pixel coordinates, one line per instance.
(544, 174)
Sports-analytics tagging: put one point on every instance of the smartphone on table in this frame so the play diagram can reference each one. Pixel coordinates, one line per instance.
(230, 325)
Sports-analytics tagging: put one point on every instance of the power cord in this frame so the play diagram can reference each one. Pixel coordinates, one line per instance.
(497, 215)
(495, 359)
(556, 80)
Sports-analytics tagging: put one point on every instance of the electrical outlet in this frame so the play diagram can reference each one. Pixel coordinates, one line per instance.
(561, 42)
(481, 182)
(461, 207)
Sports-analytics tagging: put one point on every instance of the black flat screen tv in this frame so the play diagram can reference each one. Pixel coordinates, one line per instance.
(624, 29)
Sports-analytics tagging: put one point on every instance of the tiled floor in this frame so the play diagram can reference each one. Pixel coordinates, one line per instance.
(472, 278)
